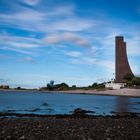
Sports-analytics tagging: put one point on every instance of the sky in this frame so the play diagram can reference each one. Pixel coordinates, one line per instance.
(70, 41)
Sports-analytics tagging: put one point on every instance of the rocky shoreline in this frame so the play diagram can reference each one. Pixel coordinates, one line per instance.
(70, 127)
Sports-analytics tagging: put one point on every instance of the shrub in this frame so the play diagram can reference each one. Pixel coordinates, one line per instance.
(136, 81)
(128, 77)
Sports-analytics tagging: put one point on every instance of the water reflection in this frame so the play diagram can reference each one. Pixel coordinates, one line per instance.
(122, 104)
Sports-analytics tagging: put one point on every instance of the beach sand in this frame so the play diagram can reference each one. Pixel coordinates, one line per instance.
(118, 92)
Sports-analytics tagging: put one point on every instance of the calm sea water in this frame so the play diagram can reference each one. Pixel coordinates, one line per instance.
(63, 103)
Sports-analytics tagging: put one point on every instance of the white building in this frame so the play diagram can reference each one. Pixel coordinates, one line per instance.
(115, 85)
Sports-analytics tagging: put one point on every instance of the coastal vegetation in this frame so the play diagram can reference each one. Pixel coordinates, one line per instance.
(64, 86)
(131, 80)
(4, 86)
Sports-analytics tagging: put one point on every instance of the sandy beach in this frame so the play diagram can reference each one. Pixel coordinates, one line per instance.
(119, 92)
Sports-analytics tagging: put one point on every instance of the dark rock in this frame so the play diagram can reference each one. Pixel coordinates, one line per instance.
(45, 104)
(80, 111)
(22, 138)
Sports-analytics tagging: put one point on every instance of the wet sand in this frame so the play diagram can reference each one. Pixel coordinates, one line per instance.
(52, 128)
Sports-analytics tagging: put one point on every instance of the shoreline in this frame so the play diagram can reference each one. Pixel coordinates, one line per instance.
(128, 92)
(73, 115)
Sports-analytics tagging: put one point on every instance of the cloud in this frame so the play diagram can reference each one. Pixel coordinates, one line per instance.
(110, 65)
(73, 53)
(59, 18)
(133, 46)
(19, 43)
(27, 19)
(2, 80)
(16, 50)
(31, 2)
(62, 11)
(28, 59)
(73, 24)
(67, 37)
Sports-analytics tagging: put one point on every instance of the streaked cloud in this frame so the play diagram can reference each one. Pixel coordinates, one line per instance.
(26, 19)
(19, 43)
(73, 53)
(28, 59)
(73, 24)
(18, 50)
(60, 18)
(93, 61)
(133, 44)
(69, 37)
(31, 2)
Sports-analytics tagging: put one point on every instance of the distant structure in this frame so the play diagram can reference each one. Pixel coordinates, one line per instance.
(121, 61)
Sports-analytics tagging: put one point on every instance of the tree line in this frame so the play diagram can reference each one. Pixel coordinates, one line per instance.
(65, 86)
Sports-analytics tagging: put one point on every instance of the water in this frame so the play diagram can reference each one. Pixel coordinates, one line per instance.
(64, 103)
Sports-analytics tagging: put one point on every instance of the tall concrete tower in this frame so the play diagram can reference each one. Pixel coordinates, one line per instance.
(121, 62)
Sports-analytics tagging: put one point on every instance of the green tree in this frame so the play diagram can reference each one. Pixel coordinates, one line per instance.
(94, 85)
(49, 87)
(136, 81)
(128, 77)
(73, 87)
(62, 86)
